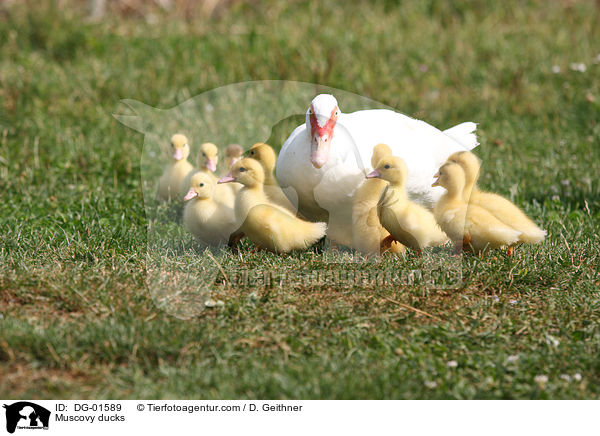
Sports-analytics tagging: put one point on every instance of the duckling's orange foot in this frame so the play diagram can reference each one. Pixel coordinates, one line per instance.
(386, 244)
(509, 251)
(466, 240)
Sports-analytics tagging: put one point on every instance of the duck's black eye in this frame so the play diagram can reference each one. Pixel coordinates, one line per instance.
(387, 167)
(201, 184)
(172, 145)
(242, 169)
(252, 152)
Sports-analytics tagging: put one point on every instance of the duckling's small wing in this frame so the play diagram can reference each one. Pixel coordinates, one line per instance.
(484, 225)
(400, 231)
(449, 215)
(373, 218)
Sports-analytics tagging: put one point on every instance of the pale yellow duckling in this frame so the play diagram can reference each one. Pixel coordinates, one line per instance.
(407, 222)
(368, 235)
(265, 155)
(500, 207)
(468, 225)
(207, 164)
(169, 185)
(208, 158)
(210, 221)
(233, 153)
(269, 226)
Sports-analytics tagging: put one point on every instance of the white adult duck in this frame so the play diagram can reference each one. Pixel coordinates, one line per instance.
(326, 158)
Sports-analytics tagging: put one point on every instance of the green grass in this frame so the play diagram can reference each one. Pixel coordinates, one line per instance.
(76, 317)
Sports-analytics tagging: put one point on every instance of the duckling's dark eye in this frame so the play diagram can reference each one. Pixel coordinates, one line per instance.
(387, 167)
(201, 184)
(203, 154)
(172, 145)
(242, 169)
(252, 152)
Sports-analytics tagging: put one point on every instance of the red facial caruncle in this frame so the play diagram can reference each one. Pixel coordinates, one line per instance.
(315, 128)
(321, 137)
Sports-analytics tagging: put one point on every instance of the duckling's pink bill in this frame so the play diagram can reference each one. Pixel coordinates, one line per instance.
(226, 179)
(211, 165)
(178, 154)
(437, 181)
(191, 194)
(373, 174)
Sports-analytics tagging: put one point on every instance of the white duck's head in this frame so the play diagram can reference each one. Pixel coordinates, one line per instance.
(179, 146)
(321, 118)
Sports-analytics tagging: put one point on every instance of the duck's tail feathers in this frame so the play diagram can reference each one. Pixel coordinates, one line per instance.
(317, 231)
(534, 235)
(310, 232)
(464, 134)
(506, 235)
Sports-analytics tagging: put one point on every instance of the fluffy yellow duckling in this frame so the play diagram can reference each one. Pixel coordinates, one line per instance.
(407, 222)
(169, 185)
(500, 207)
(269, 226)
(368, 235)
(209, 157)
(209, 221)
(468, 225)
(207, 164)
(265, 155)
(233, 153)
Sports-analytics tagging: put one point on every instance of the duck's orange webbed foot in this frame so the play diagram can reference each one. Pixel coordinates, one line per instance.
(386, 244)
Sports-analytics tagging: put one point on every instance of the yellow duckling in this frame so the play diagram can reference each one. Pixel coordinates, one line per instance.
(407, 222)
(368, 235)
(209, 221)
(269, 226)
(265, 155)
(233, 153)
(207, 164)
(169, 185)
(500, 207)
(468, 225)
